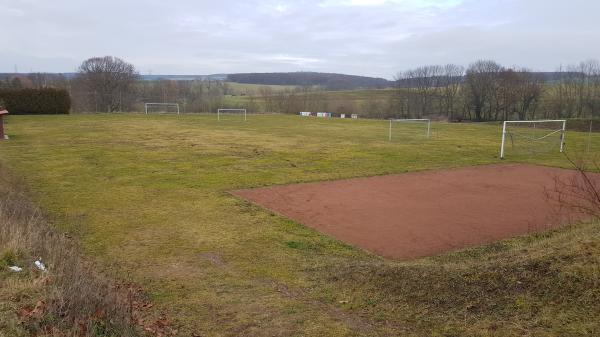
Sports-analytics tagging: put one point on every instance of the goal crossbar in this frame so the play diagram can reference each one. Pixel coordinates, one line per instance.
(562, 131)
(146, 105)
(220, 111)
(408, 120)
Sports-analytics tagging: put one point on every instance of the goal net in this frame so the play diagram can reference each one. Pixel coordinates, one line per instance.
(161, 108)
(533, 137)
(225, 113)
(409, 128)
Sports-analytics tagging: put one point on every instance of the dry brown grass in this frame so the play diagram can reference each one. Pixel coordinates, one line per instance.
(581, 193)
(71, 298)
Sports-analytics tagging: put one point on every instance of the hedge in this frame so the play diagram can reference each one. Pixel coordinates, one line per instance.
(36, 101)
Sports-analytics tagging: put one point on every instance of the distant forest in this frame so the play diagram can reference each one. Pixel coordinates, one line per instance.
(325, 80)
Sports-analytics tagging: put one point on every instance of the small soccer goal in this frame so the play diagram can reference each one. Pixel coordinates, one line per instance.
(409, 128)
(161, 108)
(532, 137)
(223, 113)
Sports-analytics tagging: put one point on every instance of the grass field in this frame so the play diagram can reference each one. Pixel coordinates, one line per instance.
(248, 88)
(330, 99)
(147, 196)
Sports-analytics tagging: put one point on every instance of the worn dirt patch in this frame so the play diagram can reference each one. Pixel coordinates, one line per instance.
(424, 213)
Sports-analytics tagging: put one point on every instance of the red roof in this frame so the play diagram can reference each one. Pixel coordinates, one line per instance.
(3, 112)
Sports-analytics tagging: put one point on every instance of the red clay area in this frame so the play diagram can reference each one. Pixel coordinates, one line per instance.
(424, 213)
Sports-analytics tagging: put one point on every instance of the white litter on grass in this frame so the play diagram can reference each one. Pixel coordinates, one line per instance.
(15, 268)
(40, 265)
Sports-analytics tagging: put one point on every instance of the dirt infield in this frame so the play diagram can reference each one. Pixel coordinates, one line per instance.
(424, 213)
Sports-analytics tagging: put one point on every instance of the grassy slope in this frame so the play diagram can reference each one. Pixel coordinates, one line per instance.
(148, 196)
(16, 291)
(15, 294)
(247, 88)
(355, 97)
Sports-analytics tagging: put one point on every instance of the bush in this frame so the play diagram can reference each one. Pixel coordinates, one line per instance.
(36, 101)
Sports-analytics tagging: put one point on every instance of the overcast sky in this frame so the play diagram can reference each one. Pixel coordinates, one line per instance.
(363, 37)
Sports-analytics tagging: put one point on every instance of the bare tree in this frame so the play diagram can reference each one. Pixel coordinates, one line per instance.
(529, 91)
(481, 84)
(419, 88)
(503, 100)
(563, 94)
(48, 80)
(403, 97)
(450, 83)
(266, 94)
(108, 82)
(576, 94)
(315, 98)
(580, 192)
(589, 83)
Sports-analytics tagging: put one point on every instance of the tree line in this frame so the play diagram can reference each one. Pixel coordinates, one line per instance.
(483, 91)
(488, 91)
(110, 84)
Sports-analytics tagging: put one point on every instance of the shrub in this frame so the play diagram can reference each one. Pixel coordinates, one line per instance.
(36, 101)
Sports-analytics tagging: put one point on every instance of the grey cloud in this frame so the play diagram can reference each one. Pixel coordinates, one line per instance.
(376, 38)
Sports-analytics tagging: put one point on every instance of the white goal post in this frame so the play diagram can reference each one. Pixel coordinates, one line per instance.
(413, 120)
(166, 105)
(221, 111)
(550, 131)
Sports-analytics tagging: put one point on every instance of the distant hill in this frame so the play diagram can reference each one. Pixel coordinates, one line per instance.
(214, 77)
(555, 76)
(327, 80)
(330, 81)
(548, 77)
(4, 76)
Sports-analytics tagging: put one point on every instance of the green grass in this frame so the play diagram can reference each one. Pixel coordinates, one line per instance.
(248, 88)
(16, 292)
(356, 98)
(147, 196)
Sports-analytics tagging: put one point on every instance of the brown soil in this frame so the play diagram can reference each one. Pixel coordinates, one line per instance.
(424, 213)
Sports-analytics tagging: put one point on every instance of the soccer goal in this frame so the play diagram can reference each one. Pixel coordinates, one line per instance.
(533, 136)
(224, 112)
(410, 127)
(161, 107)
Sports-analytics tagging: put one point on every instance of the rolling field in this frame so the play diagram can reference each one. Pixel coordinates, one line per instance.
(148, 198)
(330, 99)
(247, 88)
